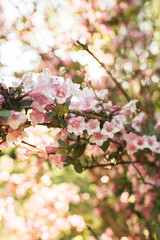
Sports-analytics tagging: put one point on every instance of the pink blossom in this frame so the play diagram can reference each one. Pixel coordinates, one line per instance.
(45, 84)
(130, 138)
(40, 101)
(130, 108)
(107, 235)
(15, 136)
(131, 148)
(140, 142)
(137, 121)
(152, 142)
(27, 83)
(74, 87)
(119, 121)
(98, 138)
(2, 100)
(76, 125)
(109, 129)
(87, 99)
(157, 126)
(57, 160)
(108, 107)
(16, 119)
(157, 150)
(93, 125)
(37, 117)
(62, 93)
(102, 94)
(77, 222)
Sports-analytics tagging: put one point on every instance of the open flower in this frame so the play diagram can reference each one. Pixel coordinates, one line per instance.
(109, 129)
(16, 119)
(98, 138)
(92, 126)
(76, 125)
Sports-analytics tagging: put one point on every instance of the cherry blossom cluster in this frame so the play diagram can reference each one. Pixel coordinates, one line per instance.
(87, 113)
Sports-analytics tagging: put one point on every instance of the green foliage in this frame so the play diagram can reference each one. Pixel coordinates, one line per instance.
(69, 161)
(132, 11)
(79, 150)
(24, 104)
(4, 115)
(62, 143)
(157, 232)
(51, 114)
(78, 167)
(105, 145)
(68, 103)
(60, 110)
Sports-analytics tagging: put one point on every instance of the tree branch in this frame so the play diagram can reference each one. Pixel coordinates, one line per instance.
(88, 115)
(133, 164)
(85, 47)
(93, 233)
(107, 165)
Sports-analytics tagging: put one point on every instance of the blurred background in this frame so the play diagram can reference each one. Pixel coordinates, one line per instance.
(38, 202)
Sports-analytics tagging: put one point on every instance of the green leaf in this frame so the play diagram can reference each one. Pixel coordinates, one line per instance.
(24, 104)
(78, 167)
(132, 11)
(68, 103)
(4, 115)
(55, 101)
(55, 123)
(69, 161)
(51, 114)
(79, 150)
(19, 91)
(157, 232)
(62, 143)
(63, 151)
(49, 163)
(147, 151)
(71, 147)
(105, 145)
(61, 110)
(65, 124)
(144, 129)
(12, 102)
(72, 136)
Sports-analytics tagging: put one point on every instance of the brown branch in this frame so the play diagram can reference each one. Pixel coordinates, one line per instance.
(29, 144)
(107, 165)
(101, 104)
(47, 124)
(133, 164)
(93, 233)
(88, 115)
(85, 47)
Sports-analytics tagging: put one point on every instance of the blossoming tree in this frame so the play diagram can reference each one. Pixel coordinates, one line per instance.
(106, 133)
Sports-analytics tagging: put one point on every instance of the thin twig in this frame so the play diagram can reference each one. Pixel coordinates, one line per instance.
(29, 144)
(101, 104)
(93, 233)
(13, 4)
(151, 184)
(107, 165)
(88, 115)
(85, 47)
(133, 164)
